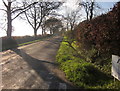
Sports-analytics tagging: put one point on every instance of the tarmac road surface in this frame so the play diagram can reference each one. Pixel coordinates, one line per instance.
(33, 66)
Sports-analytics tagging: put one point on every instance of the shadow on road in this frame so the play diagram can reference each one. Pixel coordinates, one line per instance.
(38, 66)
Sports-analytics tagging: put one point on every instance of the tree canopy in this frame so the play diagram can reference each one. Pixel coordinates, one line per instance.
(53, 24)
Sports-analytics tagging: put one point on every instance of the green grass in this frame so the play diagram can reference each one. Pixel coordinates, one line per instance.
(85, 74)
(29, 42)
(26, 43)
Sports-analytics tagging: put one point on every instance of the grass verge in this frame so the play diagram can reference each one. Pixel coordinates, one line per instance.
(85, 74)
(32, 41)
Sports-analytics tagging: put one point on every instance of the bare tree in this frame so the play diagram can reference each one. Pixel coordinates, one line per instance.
(72, 19)
(43, 26)
(36, 15)
(12, 13)
(89, 6)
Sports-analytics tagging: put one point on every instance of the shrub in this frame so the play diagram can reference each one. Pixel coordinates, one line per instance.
(101, 32)
(9, 43)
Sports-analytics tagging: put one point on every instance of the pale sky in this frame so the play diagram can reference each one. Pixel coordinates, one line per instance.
(22, 28)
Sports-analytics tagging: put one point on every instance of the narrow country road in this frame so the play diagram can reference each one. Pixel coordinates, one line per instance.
(33, 66)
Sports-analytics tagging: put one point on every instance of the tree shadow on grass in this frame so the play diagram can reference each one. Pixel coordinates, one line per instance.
(96, 77)
(39, 68)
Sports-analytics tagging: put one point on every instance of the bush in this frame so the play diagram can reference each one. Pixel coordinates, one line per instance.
(101, 32)
(9, 43)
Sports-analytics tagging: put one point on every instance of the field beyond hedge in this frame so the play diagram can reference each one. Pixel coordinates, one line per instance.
(15, 41)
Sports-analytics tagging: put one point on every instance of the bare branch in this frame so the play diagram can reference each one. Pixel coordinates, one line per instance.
(36, 14)
(23, 10)
(19, 14)
(24, 7)
(89, 7)
(28, 20)
(3, 10)
(4, 3)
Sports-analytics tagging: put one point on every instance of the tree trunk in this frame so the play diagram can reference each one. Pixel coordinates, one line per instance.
(87, 15)
(9, 22)
(42, 30)
(54, 31)
(50, 31)
(91, 10)
(67, 26)
(35, 32)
